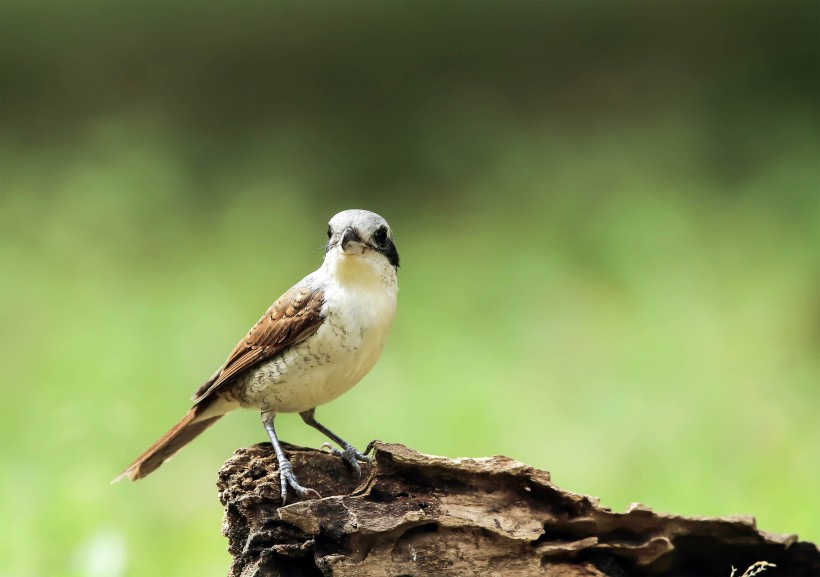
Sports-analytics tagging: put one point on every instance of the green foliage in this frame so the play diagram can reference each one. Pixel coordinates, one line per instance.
(609, 256)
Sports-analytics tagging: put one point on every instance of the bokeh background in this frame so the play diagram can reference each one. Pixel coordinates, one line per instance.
(607, 215)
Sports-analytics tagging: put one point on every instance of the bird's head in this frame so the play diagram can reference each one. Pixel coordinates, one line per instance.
(360, 238)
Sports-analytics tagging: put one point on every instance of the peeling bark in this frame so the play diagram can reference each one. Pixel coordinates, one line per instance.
(417, 515)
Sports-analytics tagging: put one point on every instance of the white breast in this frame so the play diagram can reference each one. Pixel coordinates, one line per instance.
(358, 313)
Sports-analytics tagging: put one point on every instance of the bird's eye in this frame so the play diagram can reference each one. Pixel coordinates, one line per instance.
(380, 236)
(329, 231)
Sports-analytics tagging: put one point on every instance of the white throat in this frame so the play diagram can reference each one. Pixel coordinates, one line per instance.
(366, 271)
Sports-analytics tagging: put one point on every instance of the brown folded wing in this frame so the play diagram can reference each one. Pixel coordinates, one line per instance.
(291, 319)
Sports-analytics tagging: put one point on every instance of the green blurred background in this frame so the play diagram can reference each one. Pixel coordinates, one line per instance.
(607, 215)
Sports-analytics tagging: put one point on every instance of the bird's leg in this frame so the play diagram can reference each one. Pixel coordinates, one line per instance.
(349, 454)
(286, 476)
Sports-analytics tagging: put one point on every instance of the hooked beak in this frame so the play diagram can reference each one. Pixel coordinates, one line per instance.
(351, 242)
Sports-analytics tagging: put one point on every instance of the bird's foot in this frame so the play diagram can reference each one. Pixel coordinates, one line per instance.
(350, 456)
(287, 478)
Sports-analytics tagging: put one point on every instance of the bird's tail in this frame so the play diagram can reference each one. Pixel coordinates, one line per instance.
(166, 446)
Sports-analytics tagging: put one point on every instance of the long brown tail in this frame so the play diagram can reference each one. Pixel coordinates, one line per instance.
(164, 448)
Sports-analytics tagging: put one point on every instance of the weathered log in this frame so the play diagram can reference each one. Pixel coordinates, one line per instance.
(415, 514)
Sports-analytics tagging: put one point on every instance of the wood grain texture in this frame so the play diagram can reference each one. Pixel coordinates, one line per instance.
(418, 515)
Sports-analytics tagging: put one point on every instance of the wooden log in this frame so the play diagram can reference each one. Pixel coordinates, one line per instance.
(415, 515)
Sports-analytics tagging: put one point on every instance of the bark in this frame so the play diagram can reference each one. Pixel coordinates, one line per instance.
(415, 515)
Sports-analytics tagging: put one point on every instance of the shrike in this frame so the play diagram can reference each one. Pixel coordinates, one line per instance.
(313, 344)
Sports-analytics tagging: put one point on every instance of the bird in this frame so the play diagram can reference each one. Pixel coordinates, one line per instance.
(313, 344)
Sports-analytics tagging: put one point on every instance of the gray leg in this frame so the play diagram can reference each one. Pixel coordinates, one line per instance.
(286, 476)
(349, 454)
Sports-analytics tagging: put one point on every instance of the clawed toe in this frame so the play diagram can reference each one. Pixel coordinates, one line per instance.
(305, 492)
(288, 479)
(350, 456)
(302, 492)
(331, 449)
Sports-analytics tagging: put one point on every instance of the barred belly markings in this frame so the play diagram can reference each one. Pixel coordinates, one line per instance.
(320, 369)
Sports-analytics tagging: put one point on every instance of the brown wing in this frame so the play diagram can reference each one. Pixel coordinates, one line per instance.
(292, 318)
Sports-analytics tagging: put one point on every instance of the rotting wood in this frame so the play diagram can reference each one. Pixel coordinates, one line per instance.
(416, 515)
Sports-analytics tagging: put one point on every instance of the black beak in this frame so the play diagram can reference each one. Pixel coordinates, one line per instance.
(348, 236)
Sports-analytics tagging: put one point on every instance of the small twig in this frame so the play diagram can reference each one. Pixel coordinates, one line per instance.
(754, 569)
